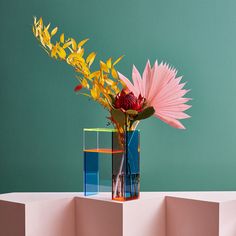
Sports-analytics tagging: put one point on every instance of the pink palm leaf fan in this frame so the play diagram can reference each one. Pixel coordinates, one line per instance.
(161, 90)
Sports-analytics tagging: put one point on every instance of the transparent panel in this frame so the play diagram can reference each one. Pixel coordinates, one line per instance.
(97, 160)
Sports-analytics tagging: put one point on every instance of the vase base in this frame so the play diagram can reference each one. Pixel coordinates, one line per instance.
(123, 199)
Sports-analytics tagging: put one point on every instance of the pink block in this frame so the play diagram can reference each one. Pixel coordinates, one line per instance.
(37, 214)
(50, 218)
(145, 217)
(227, 218)
(99, 216)
(187, 217)
(12, 219)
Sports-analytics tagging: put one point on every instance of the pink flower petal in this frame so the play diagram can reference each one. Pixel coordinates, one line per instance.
(146, 74)
(153, 83)
(170, 121)
(129, 85)
(137, 80)
(176, 115)
(175, 108)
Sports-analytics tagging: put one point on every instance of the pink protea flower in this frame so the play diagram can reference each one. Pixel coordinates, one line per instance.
(162, 90)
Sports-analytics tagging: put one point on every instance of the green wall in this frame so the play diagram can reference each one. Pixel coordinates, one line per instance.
(41, 118)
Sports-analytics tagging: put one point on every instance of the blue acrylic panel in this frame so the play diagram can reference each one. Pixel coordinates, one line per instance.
(91, 173)
(132, 167)
(126, 166)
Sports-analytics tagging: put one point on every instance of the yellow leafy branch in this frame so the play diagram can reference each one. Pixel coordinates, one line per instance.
(101, 83)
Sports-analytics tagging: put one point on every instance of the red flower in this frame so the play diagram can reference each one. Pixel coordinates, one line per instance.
(78, 88)
(127, 101)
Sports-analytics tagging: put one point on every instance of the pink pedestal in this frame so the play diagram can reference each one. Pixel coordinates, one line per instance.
(12, 219)
(227, 219)
(201, 213)
(143, 217)
(187, 217)
(154, 214)
(37, 214)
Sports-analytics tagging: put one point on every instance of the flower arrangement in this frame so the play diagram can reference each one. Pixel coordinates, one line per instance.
(158, 92)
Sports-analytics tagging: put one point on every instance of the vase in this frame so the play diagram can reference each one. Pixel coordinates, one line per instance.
(112, 163)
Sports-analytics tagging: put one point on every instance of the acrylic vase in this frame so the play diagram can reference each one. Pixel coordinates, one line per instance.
(123, 158)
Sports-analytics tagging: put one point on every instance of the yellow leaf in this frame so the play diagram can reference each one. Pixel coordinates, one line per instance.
(108, 90)
(94, 74)
(81, 43)
(116, 89)
(102, 79)
(76, 60)
(35, 20)
(85, 94)
(91, 58)
(118, 60)
(54, 51)
(34, 32)
(109, 81)
(62, 38)
(114, 73)
(47, 27)
(109, 63)
(104, 67)
(54, 31)
(74, 44)
(67, 44)
(71, 50)
(61, 52)
(41, 22)
(95, 92)
(86, 72)
(42, 40)
(46, 35)
(85, 83)
(81, 52)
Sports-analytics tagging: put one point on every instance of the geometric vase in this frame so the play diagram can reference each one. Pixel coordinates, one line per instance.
(112, 163)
